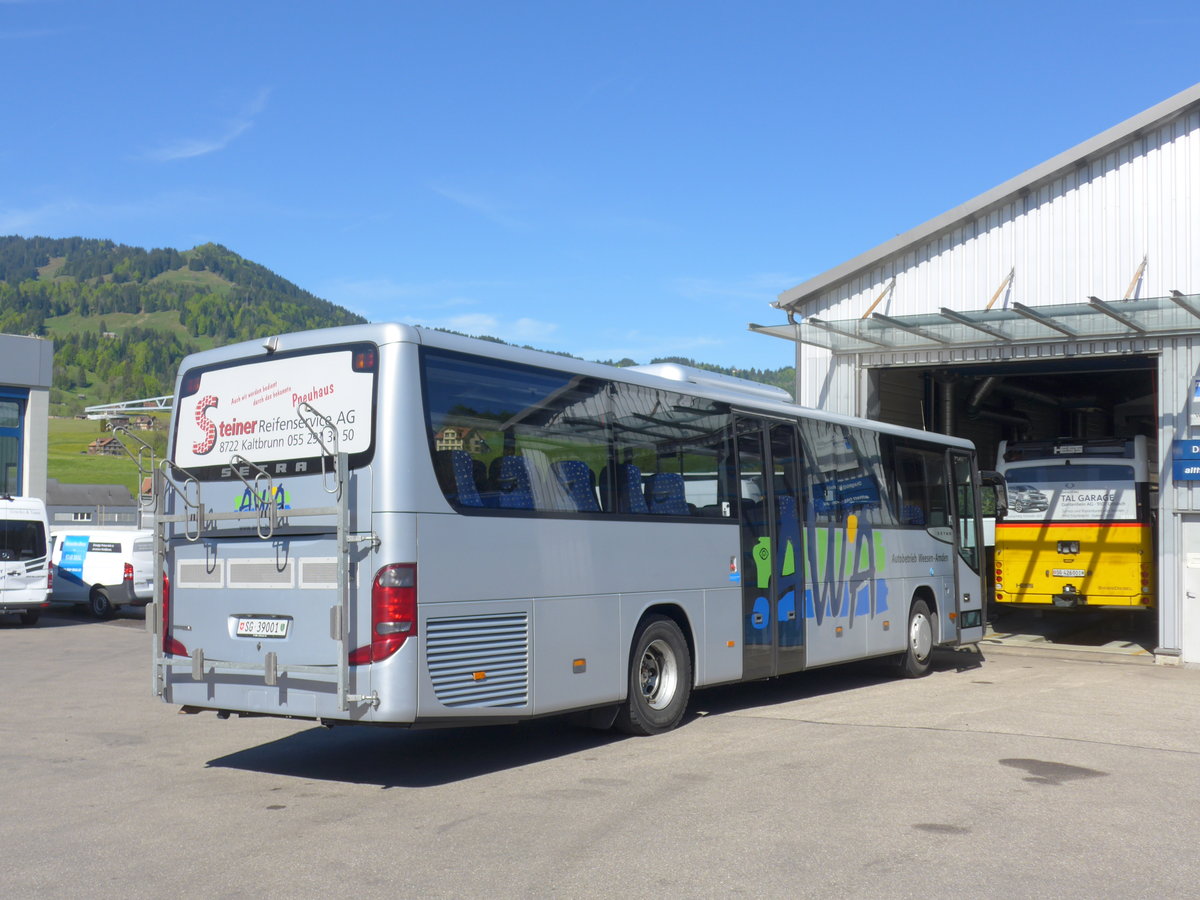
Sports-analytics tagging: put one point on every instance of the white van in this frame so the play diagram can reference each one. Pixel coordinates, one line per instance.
(24, 560)
(104, 568)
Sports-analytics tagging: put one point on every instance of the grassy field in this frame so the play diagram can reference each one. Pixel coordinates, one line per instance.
(73, 323)
(70, 463)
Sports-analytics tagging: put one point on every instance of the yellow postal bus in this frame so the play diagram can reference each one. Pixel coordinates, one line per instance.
(1078, 529)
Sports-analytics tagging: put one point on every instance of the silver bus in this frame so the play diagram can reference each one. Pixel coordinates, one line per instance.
(394, 525)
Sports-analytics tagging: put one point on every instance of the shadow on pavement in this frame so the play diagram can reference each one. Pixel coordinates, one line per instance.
(1118, 630)
(399, 757)
(62, 615)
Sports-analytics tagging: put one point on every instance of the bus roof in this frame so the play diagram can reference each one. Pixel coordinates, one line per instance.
(758, 398)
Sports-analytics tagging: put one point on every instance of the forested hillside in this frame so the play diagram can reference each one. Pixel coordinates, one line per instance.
(123, 317)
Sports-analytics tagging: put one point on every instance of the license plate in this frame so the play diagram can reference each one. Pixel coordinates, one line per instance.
(251, 626)
(1068, 573)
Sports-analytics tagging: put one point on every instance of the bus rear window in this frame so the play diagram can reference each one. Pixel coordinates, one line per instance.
(1079, 474)
(281, 412)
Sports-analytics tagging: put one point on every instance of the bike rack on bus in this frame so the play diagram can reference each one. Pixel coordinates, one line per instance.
(326, 422)
(334, 476)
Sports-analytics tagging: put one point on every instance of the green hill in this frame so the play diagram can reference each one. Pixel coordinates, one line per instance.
(122, 317)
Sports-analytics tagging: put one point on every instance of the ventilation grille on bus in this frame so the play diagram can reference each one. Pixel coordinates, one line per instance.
(260, 573)
(319, 572)
(480, 661)
(199, 574)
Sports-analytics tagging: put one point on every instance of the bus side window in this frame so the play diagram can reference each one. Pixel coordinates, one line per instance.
(456, 475)
(910, 485)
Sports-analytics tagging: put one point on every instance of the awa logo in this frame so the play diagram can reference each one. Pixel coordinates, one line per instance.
(203, 405)
(262, 501)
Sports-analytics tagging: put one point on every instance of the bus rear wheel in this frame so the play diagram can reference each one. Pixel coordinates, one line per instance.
(918, 651)
(29, 617)
(99, 604)
(660, 679)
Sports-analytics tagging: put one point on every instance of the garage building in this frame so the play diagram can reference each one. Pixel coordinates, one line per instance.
(1065, 301)
(26, 369)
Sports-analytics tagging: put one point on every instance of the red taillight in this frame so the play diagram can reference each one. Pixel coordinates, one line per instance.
(49, 576)
(393, 613)
(128, 576)
(189, 385)
(169, 644)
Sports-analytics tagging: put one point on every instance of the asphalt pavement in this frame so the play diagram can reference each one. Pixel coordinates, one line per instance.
(1004, 773)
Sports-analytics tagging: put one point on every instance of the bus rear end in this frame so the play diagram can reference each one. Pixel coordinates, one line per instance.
(264, 536)
(1079, 529)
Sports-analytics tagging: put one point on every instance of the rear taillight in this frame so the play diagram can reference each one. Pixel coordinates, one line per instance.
(393, 613)
(128, 576)
(169, 644)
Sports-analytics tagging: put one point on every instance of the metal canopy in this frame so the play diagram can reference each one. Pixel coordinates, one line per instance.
(1094, 320)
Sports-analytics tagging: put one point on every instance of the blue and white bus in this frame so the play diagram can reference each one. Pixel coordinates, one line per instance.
(390, 524)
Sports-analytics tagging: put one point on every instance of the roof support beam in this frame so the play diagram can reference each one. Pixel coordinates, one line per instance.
(1100, 306)
(891, 286)
(1178, 298)
(1023, 310)
(911, 329)
(1003, 284)
(978, 326)
(817, 323)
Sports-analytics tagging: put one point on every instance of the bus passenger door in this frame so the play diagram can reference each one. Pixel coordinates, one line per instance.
(771, 566)
(968, 547)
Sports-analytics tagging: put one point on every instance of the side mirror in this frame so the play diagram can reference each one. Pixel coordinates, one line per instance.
(996, 482)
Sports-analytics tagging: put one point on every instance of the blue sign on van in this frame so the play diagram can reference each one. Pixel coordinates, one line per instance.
(74, 549)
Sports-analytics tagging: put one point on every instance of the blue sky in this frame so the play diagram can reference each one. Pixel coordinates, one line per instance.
(610, 179)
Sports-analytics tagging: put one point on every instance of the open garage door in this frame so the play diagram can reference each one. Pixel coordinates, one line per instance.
(1071, 373)
(1075, 560)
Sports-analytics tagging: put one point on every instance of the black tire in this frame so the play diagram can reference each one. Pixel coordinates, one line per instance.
(660, 679)
(99, 605)
(29, 617)
(918, 648)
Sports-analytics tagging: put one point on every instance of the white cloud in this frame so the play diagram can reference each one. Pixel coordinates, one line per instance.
(37, 218)
(475, 323)
(644, 347)
(188, 148)
(68, 214)
(516, 331)
(480, 204)
(533, 330)
(763, 286)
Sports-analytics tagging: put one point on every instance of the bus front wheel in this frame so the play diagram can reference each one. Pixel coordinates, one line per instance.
(660, 679)
(918, 650)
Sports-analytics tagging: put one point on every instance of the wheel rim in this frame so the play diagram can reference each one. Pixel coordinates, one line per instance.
(658, 674)
(920, 635)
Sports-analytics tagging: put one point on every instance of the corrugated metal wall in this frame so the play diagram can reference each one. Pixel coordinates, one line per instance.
(1081, 234)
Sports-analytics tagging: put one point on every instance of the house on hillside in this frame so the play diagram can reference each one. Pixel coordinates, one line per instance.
(105, 446)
